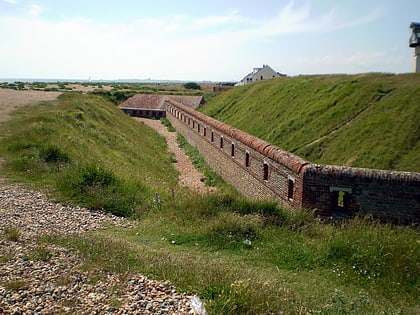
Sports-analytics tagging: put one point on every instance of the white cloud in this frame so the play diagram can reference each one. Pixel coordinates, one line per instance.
(34, 10)
(221, 20)
(10, 1)
(175, 47)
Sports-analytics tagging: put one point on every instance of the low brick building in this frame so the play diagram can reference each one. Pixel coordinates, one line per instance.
(153, 105)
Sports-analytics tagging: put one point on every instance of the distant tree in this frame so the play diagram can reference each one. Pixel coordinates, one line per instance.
(192, 86)
(20, 85)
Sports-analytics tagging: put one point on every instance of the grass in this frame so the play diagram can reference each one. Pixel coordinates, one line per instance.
(210, 177)
(366, 120)
(89, 151)
(240, 256)
(12, 234)
(39, 253)
(15, 285)
(300, 266)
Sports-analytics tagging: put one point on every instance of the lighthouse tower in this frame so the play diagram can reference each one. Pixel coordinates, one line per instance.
(415, 43)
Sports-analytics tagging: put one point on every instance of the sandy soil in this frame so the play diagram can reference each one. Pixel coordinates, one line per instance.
(10, 100)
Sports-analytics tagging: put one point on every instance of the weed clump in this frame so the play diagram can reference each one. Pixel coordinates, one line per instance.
(12, 234)
(52, 154)
(232, 231)
(95, 187)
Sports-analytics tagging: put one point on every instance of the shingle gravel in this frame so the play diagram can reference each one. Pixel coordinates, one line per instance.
(48, 279)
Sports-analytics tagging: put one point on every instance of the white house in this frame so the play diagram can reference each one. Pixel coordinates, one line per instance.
(259, 74)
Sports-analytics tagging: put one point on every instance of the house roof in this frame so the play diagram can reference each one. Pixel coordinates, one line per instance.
(256, 72)
(156, 101)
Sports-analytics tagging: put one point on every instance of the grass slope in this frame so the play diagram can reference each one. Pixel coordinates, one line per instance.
(87, 151)
(241, 257)
(366, 120)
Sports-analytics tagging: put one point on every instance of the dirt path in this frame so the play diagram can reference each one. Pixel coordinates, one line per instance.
(189, 176)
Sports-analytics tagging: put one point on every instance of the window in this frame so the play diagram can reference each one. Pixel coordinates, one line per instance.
(198, 128)
(247, 159)
(205, 131)
(340, 198)
(265, 171)
(212, 136)
(339, 203)
(232, 150)
(290, 188)
(221, 142)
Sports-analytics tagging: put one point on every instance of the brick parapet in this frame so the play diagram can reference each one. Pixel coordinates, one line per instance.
(261, 170)
(267, 149)
(387, 195)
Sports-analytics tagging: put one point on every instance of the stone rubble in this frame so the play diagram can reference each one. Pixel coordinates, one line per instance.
(42, 279)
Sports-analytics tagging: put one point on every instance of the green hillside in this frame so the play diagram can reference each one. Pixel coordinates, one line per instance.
(88, 152)
(366, 120)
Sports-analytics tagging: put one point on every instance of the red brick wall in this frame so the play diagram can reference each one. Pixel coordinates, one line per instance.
(387, 195)
(271, 173)
(214, 140)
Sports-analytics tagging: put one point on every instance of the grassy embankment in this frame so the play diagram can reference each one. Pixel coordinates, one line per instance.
(367, 120)
(242, 257)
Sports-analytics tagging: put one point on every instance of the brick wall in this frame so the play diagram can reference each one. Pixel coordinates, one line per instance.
(256, 168)
(260, 170)
(387, 195)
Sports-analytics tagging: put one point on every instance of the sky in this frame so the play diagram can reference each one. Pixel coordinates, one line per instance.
(194, 40)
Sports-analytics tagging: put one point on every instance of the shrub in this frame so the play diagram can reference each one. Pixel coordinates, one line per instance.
(52, 154)
(96, 187)
(192, 86)
(92, 177)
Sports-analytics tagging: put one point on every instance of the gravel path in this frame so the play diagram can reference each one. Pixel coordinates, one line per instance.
(48, 279)
(189, 176)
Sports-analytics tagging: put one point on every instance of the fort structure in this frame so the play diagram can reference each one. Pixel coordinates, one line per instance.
(153, 105)
(260, 170)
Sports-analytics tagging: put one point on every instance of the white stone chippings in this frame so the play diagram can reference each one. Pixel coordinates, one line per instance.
(58, 283)
(33, 215)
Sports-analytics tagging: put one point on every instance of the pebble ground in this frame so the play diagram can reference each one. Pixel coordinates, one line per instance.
(41, 279)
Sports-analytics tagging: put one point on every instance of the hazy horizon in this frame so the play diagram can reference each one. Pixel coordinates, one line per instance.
(219, 40)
